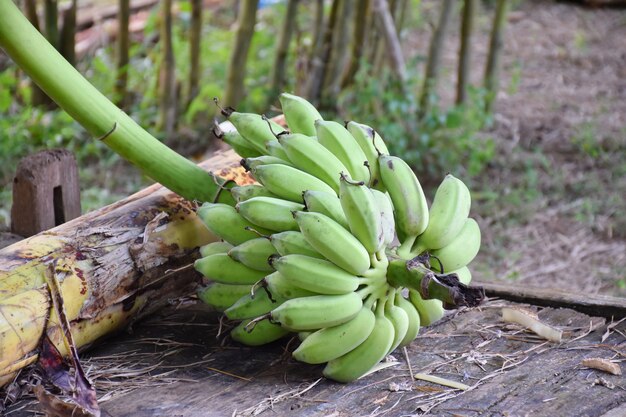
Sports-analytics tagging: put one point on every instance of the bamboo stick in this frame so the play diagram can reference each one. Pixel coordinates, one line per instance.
(465, 65)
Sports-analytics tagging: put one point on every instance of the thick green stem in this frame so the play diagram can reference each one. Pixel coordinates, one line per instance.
(447, 288)
(101, 118)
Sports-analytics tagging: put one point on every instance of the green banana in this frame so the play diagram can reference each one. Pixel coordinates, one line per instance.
(317, 311)
(363, 214)
(464, 274)
(245, 192)
(251, 163)
(429, 310)
(254, 254)
(244, 148)
(222, 268)
(224, 221)
(249, 307)
(336, 138)
(327, 204)
(413, 316)
(448, 213)
(270, 213)
(254, 128)
(258, 333)
(288, 182)
(290, 242)
(221, 296)
(400, 321)
(372, 146)
(279, 285)
(299, 113)
(409, 202)
(215, 247)
(461, 251)
(316, 275)
(312, 157)
(274, 149)
(361, 359)
(333, 241)
(385, 206)
(332, 342)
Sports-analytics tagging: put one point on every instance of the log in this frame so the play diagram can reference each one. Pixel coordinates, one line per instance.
(115, 264)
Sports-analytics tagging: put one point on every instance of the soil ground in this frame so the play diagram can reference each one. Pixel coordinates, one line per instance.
(552, 205)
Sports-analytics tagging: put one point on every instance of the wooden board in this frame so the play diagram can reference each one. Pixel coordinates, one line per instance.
(511, 372)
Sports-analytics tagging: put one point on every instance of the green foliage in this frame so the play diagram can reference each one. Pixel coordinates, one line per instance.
(446, 139)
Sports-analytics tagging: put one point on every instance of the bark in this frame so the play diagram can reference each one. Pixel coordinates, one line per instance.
(123, 46)
(67, 37)
(434, 56)
(336, 63)
(195, 38)
(280, 59)
(495, 50)
(167, 78)
(237, 66)
(115, 264)
(358, 41)
(390, 36)
(318, 64)
(465, 64)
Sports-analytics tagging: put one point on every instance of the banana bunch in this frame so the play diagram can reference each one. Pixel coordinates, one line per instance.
(308, 249)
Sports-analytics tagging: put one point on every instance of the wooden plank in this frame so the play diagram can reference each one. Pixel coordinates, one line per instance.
(591, 304)
(510, 372)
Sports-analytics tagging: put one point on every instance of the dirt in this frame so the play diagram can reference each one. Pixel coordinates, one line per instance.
(552, 203)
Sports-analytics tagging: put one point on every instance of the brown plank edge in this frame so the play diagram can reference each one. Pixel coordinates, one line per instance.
(592, 305)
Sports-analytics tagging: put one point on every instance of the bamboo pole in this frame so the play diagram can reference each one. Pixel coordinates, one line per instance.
(195, 39)
(280, 58)
(237, 66)
(495, 50)
(123, 46)
(167, 72)
(465, 65)
(67, 37)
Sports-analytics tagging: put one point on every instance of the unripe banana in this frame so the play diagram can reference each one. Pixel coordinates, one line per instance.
(299, 113)
(279, 285)
(249, 307)
(245, 192)
(274, 149)
(317, 275)
(327, 204)
(251, 163)
(303, 335)
(254, 129)
(372, 145)
(244, 148)
(215, 247)
(224, 221)
(464, 274)
(254, 254)
(362, 213)
(336, 138)
(409, 202)
(270, 213)
(430, 311)
(288, 182)
(312, 157)
(413, 316)
(461, 251)
(332, 342)
(317, 312)
(289, 243)
(260, 333)
(333, 241)
(448, 213)
(400, 321)
(222, 268)
(361, 359)
(221, 296)
(385, 206)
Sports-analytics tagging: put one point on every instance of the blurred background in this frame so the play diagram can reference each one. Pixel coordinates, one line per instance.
(525, 100)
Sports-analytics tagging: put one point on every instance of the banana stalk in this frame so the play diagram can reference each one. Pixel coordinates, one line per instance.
(114, 266)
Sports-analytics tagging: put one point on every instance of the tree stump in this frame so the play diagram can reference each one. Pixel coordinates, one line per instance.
(46, 192)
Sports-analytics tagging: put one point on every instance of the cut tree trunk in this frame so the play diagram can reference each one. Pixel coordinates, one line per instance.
(115, 264)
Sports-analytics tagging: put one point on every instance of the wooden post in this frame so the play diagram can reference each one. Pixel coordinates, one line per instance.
(46, 192)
